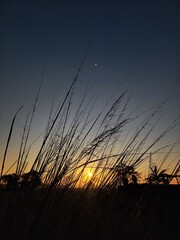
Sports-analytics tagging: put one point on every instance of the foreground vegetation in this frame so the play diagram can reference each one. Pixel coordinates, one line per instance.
(53, 197)
(132, 212)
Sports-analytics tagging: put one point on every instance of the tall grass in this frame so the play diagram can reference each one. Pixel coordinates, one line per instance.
(78, 139)
(112, 144)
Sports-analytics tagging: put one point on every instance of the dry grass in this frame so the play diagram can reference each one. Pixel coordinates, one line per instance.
(112, 143)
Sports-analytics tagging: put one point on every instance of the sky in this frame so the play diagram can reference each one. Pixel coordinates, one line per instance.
(135, 42)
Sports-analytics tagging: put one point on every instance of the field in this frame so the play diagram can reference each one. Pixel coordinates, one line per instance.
(133, 212)
(85, 179)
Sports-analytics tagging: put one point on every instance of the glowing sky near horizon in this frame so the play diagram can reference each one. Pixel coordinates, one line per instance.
(130, 40)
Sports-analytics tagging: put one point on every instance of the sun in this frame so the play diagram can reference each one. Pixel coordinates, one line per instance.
(90, 174)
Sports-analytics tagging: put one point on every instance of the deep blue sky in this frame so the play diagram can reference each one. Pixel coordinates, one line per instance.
(130, 39)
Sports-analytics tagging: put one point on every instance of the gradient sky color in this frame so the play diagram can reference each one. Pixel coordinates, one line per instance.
(136, 41)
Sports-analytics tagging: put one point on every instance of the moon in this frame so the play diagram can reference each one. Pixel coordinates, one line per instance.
(95, 64)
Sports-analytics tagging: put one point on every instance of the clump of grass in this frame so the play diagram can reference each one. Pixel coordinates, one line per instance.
(112, 143)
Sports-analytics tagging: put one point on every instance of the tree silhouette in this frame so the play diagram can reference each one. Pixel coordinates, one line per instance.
(158, 177)
(11, 180)
(125, 175)
(30, 180)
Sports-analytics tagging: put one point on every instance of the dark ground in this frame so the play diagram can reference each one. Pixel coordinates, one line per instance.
(139, 212)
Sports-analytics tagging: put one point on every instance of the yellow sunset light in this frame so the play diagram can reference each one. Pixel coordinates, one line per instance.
(90, 174)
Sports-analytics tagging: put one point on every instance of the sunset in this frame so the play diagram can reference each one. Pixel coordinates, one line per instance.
(89, 119)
